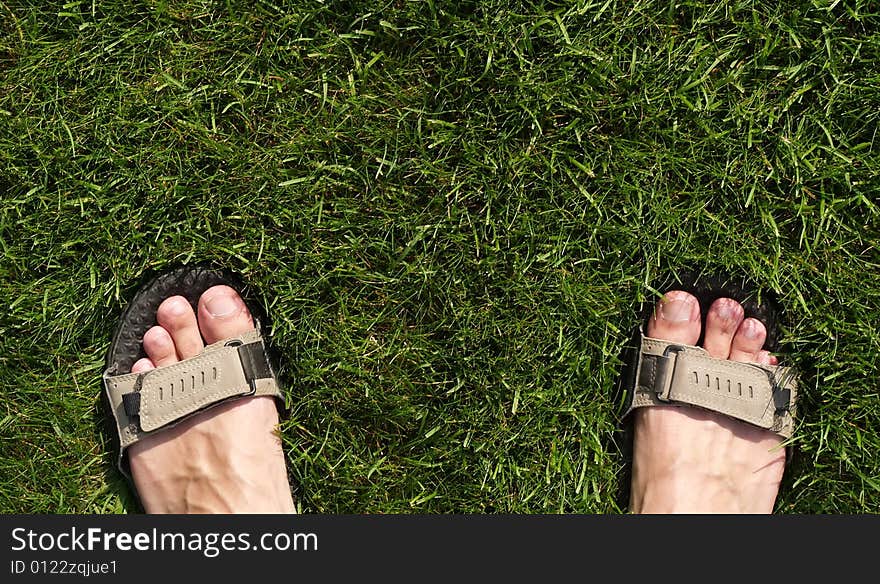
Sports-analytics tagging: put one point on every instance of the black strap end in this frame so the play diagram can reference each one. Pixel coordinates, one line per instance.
(254, 361)
(131, 403)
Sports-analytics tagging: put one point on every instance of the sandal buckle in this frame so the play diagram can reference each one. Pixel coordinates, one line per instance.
(665, 371)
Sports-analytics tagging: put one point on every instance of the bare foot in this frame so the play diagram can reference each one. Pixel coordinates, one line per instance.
(690, 460)
(224, 460)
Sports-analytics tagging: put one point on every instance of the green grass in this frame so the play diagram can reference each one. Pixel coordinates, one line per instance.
(453, 210)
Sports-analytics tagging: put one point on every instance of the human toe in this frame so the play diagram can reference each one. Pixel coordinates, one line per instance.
(748, 341)
(676, 318)
(722, 322)
(159, 347)
(142, 365)
(176, 316)
(223, 314)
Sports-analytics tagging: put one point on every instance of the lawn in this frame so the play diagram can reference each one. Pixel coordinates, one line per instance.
(453, 211)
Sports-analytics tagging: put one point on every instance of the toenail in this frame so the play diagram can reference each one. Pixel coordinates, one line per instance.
(157, 337)
(676, 309)
(752, 330)
(177, 307)
(221, 305)
(725, 312)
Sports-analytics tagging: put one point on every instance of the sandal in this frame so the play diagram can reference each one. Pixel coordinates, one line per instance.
(662, 373)
(143, 404)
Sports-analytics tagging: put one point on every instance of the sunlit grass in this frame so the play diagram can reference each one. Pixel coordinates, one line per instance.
(452, 210)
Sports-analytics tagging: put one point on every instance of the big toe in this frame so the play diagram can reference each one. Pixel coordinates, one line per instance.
(223, 314)
(676, 318)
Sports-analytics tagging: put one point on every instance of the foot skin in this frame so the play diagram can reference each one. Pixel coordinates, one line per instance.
(224, 460)
(689, 460)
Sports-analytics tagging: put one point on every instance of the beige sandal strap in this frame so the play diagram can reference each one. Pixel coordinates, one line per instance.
(674, 374)
(148, 402)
